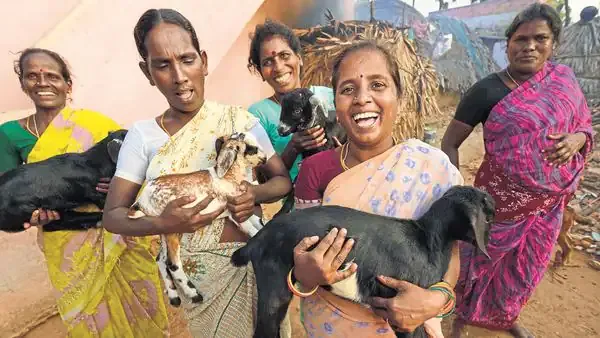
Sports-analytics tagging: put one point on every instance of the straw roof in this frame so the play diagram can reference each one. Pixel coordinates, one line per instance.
(580, 50)
(322, 44)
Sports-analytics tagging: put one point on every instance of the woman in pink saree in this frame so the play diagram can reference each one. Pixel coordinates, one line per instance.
(537, 133)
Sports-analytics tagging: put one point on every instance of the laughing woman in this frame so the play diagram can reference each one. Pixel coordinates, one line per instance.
(106, 285)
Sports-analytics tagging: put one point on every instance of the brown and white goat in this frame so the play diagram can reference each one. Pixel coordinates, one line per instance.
(236, 156)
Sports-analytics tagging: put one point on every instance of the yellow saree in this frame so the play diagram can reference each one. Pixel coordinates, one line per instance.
(107, 285)
(229, 292)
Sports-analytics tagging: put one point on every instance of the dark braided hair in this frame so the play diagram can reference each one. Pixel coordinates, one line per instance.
(151, 18)
(392, 65)
(64, 68)
(267, 30)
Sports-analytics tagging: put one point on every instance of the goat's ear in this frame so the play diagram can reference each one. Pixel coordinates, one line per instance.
(318, 108)
(251, 150)
(225, 160)
(219, 144)
(114, 146)
(480, 230)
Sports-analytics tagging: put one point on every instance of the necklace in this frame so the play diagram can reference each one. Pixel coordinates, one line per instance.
(162, 125)
(344, 153)
(37, 132)
(511, 78)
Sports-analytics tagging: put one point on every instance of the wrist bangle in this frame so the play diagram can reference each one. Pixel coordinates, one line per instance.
(450, 305)
(296, 291)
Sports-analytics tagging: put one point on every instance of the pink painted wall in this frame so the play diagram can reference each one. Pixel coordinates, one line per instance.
(96, 38)
(24, 23)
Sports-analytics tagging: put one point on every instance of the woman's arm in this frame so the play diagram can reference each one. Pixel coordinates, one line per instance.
(456, 133)
(278, 184)
(302, 141)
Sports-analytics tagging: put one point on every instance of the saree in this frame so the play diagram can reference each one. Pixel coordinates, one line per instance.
(403, 182)
(229, 292)
(530, 195)
(106, 285)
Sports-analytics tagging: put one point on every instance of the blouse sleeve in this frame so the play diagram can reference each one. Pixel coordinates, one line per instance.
(306, 188)
(9, 156)
(133, 159)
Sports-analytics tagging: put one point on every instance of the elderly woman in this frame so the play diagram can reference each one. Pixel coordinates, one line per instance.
(182, 139)
(99, 288)
(537, 133)
(275, 54)
(375, 173)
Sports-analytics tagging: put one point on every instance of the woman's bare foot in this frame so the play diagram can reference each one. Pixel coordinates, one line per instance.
(519, 331)
(457, 327)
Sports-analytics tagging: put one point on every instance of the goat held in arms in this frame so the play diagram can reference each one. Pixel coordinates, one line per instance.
(417, 251)
(60, 183)
(236, 154)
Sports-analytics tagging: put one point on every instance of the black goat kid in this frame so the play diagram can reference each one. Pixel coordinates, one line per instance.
(59, 183)
(417, 251)
(302, 110)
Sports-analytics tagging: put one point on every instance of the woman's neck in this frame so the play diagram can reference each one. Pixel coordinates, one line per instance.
(44, 116)
(518, 76)
(358, 154)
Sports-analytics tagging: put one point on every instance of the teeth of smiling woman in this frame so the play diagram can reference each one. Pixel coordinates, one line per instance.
(282, 78)
(45, 94)
(365, 120)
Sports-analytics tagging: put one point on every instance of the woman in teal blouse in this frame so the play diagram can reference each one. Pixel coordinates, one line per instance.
(275, 53)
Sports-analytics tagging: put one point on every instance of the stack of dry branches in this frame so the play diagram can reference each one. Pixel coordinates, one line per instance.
(322, 44)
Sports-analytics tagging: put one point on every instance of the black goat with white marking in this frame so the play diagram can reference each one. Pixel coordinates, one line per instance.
(60, 183)
(417, 251)
(302, 110)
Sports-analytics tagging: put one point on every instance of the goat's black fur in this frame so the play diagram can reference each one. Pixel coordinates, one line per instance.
(59, 183)
(417, 251)
(301, 110)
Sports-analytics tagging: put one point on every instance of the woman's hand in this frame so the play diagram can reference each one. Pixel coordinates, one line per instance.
(566, 147)
(175, 218)
(410, 308)
(241, 207)
(103, 185)
(41, 217)
(320, 265)
(309, 139)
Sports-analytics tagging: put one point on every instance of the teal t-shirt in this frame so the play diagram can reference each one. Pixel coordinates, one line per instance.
(269, 112)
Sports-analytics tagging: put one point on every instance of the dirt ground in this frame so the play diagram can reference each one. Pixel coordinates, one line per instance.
(559, 308)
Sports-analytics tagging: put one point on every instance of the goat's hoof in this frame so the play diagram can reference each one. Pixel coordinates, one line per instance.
(197, 299)
(176, 302)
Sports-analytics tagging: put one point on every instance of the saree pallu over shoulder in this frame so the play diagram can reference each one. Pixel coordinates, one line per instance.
(516, 131)
(402, 182)
(107, 285)
(229, 292)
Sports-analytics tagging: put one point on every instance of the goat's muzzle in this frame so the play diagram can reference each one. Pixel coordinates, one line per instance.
(284, 130)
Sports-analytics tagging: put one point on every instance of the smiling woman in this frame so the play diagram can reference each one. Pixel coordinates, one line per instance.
(181, 140)
(374, 173)
(98, 288)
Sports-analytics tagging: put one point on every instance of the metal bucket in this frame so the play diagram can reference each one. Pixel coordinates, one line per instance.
(429, 135)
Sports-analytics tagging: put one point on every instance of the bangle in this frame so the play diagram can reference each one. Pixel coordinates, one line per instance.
(296, 291)
(450, 305)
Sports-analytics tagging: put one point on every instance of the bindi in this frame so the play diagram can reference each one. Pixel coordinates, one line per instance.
(361, 76)
(273, 53)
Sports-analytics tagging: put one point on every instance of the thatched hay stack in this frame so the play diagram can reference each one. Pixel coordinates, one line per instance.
(322, 44)
(580, 50)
